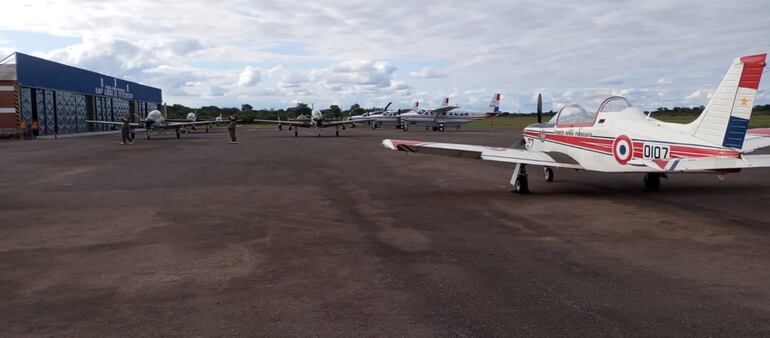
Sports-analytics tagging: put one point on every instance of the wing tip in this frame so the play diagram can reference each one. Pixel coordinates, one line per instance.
(388, 143)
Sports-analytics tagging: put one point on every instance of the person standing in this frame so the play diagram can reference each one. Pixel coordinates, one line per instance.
(24, 128)
(35, 129)
(126, 132)
(231, 128)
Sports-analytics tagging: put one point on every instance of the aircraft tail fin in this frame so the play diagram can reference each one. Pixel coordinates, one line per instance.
(494, 105)
(445, 102)
(416, 105)
(726, 117)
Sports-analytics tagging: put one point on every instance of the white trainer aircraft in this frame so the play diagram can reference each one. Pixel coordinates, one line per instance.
(617, 137)
(316, 120)
(448, 116)
(156, 123)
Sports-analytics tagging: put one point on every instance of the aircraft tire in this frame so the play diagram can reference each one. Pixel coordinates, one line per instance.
(337, 133)
(652, 181)
(280, 127)
(295, 132)
(441, 129)
(178, 136)
(548, 174)
(148, 136)
(435, 128)
(521, 185)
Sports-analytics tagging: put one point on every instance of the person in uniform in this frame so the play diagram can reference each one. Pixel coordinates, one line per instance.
(125, 131)
(35, 129)
(231, 128)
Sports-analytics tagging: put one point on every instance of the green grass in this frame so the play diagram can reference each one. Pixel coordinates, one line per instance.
(519, 122)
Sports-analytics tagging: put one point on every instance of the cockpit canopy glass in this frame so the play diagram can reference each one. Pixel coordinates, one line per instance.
(586, 110)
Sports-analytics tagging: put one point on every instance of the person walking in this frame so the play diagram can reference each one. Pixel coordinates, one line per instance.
(231, 128)
(126, 132)
(35, 129)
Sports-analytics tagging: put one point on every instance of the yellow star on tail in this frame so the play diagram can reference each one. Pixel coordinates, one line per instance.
(744, 102)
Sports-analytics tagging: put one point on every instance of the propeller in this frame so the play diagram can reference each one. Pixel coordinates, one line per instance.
(539, 108)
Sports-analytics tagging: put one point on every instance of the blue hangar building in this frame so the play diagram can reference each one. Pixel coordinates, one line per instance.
(61, 97)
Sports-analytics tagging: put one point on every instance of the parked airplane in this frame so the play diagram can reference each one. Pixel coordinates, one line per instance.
(316, 120)
(156, 123)
(191, 117)
(617, 137)
(391, 118)
(448, 116)
(365, 117)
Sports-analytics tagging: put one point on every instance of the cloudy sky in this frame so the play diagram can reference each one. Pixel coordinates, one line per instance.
(276, 53)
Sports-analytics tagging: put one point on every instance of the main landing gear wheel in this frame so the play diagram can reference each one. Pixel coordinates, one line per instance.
(435, 128)
(207, 130)
(280, 127)
(441, 128)
(177, 134)
(133, 136)
(148, 136)
(548, 174)
(652, 182)
(295, 132)
(337, 133)
(521, 185)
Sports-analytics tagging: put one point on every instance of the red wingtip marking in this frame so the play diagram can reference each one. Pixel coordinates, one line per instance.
(400, 144)
(752, 71)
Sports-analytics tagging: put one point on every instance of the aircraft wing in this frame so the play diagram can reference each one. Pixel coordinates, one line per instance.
(755, 139)
(442, 110)
(171, 125)
(327, 124)
(475, 152)
(113, 123)
(710, 163)
(298, 123)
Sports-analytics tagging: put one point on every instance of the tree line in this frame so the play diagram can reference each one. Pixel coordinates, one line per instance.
(247, 113)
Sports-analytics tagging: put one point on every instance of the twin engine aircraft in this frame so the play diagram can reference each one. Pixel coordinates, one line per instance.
(447, 116)
(615, 136)
(156, 123)
(316, 120)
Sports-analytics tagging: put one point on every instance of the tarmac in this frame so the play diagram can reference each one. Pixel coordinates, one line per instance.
(337, 236)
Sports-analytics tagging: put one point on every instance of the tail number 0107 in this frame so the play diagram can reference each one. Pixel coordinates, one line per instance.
(655, 152)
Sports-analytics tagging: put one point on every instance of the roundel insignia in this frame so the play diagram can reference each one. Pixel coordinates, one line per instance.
(623, 149)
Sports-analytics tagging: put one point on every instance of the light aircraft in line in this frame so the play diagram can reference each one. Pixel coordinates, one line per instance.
(316, 120)
(390, 118)
(156, 123)
(365, 117)
(614, 136)
(448, 116)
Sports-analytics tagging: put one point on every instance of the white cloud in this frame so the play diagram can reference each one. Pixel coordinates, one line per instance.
(249, 77)
(427, 73)
(338, 54)
(698, 94)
